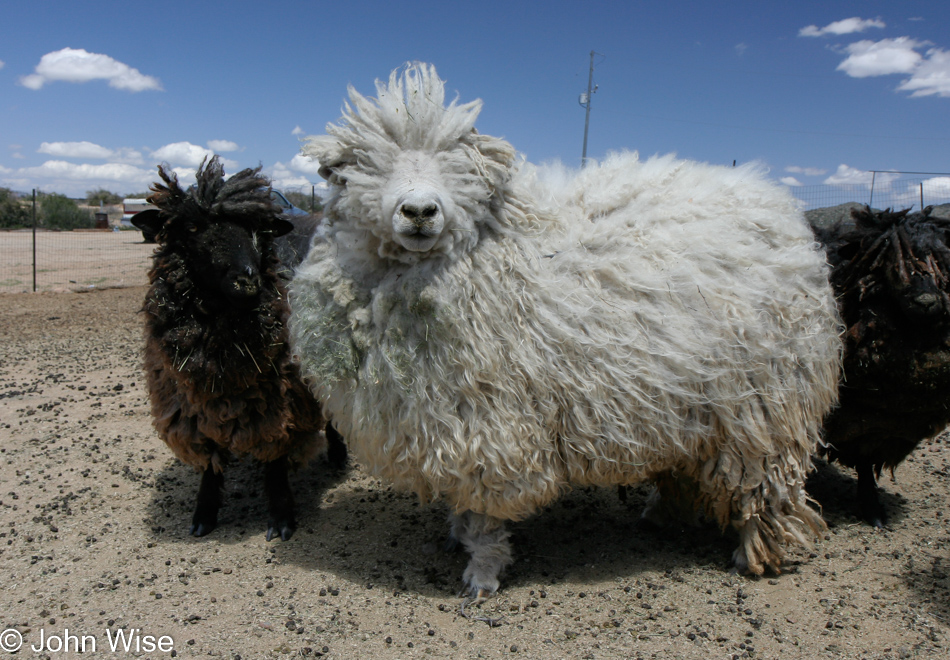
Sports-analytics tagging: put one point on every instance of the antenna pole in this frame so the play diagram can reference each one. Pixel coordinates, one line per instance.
(590, 80)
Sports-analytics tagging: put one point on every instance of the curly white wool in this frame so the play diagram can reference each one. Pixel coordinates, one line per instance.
(641, 320)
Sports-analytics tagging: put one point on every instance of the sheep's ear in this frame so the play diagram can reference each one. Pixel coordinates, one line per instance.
(148, 220)
(326, 150)
(279, 227)
(495, 155)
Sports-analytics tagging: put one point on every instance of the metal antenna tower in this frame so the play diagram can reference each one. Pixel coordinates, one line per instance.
(584, 100)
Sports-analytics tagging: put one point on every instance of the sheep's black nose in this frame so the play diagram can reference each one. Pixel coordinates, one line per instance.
(247, 283)
(926, 300)
(418, 214)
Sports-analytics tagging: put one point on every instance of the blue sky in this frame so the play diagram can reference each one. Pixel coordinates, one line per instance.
(94, 94)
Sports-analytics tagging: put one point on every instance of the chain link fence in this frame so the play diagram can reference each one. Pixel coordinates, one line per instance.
(894, 190)
(80, 260)
(72, 260)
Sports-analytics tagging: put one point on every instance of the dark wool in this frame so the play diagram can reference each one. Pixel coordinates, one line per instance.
(220, 377)
(890, 274)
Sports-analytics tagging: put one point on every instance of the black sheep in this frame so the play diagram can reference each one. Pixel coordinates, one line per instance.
(890, 273)
(217, 362)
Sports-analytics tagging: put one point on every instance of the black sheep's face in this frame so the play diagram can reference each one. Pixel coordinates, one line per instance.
(922, 302)
(225, 259)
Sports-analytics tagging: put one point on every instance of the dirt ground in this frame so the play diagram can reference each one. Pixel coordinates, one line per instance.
(73, 260)
(94, 515)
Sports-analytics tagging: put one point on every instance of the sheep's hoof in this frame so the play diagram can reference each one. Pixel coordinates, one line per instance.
(284, 529)
(871, 509)
(474, 595)
(875, 517)
(203, 527)
(204, 521)
(479, 587)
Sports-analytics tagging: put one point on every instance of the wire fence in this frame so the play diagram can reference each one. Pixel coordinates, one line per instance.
(79, 260)
(892, 190)
(72, 260)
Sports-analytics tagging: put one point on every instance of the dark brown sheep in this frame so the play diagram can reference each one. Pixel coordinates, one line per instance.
(890, 275)
(217, 362)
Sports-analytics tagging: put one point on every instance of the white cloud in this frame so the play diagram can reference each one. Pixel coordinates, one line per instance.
(741, 49)
(807, 171)
(929, 73)
(846, 26)
(75, 179)
(297, 131)
(2, 64)
(220, 146)
(78, 66)
(74, 150)
(127, 155)
(305, 164)
(790, 181)
(91, 150)
(879, 58)
(182, 153)
(931, 77)
(299, 174)
(284, 178)
(846, 175)
(937, 186)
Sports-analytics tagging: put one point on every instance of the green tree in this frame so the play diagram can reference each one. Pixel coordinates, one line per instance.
(94, 197)
(302, 201)
(13, 214)
(60, 212)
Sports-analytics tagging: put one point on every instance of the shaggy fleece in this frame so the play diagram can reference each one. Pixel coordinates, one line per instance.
(220, 379)
(636, 320)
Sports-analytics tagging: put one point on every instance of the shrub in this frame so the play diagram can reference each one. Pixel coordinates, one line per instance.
(12, 213)
(60, 212)
(302, 201)
(95, 197)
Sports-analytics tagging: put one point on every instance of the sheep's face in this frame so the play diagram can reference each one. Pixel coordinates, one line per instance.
(899, 265)
(219, 230)
(226, 260)
(415, 200)
(414, 203)
(409, 176)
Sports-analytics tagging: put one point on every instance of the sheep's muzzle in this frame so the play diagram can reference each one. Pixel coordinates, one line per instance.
(243, 286)
(418, 221)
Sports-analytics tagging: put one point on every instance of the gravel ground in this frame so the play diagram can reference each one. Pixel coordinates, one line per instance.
(94, 514)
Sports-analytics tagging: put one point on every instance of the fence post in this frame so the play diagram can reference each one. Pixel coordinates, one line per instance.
(871, 200)
(34, 240)
(921, 195)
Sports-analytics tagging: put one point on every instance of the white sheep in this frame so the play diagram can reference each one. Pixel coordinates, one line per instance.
(482, 337)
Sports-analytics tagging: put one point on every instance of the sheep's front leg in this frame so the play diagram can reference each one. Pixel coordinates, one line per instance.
(486, 540)
(280, 501)
(869, 500)
(208, 502)
(336, 448)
